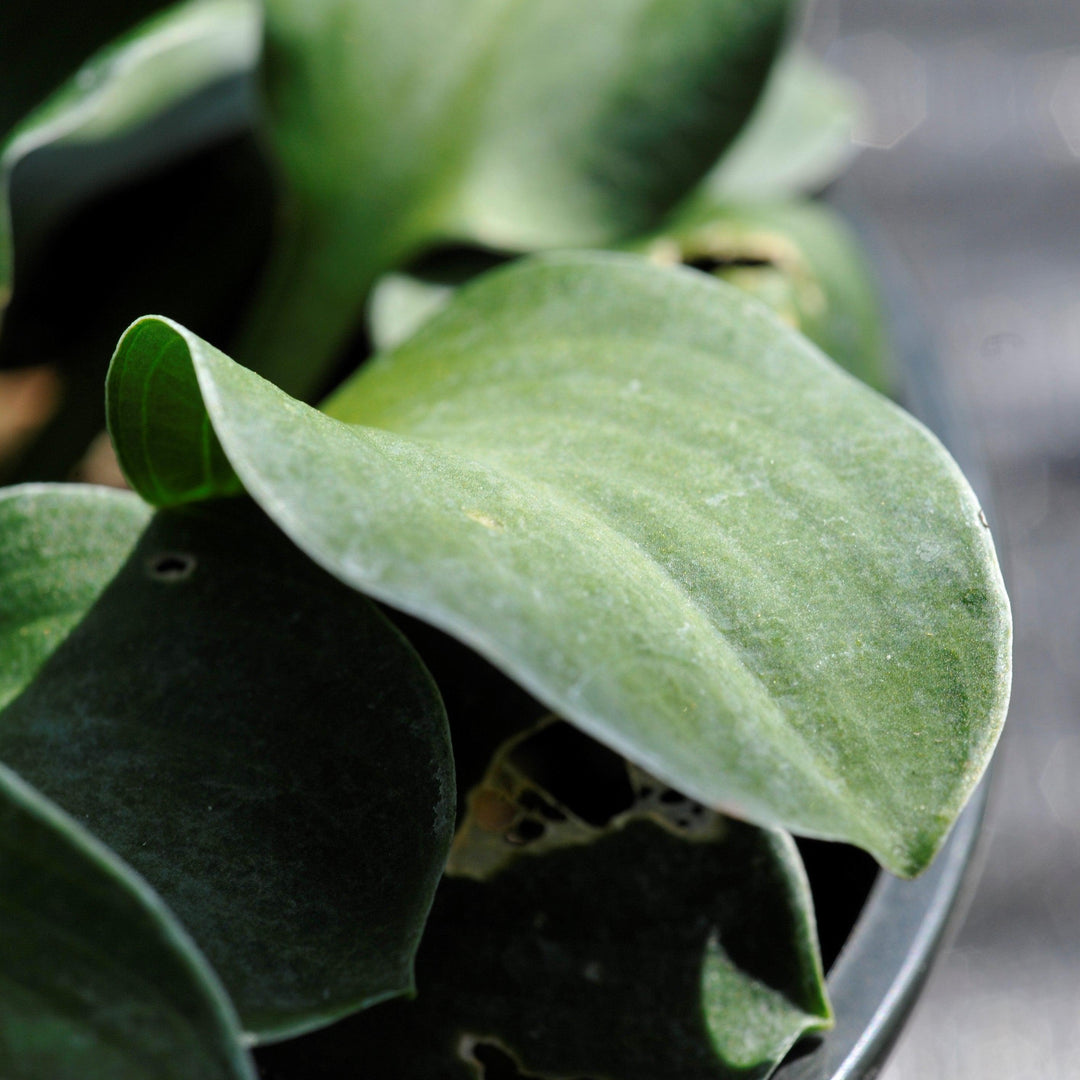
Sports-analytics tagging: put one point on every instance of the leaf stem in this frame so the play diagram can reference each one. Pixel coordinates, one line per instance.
(311, 297)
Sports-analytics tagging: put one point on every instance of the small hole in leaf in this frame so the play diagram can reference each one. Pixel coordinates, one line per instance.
(171, 566)
(671, 797)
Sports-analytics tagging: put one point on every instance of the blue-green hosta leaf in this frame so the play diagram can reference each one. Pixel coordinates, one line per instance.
(663, 512)
(798, 139)
(260, 744)
(166, 59)
(97, 979)
(800, 258)
(632, 954)
(512, 125)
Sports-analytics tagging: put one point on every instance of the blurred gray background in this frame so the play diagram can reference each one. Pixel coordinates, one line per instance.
(971, 171)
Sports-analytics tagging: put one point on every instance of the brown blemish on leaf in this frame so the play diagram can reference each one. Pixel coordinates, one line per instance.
(491, 811)
(484, 519)
(511, 812)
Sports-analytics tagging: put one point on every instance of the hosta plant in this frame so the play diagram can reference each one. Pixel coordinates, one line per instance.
(506, 577)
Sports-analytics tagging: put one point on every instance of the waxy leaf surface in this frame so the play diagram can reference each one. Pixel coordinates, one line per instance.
(800, 259)
(512, 125)
(660, 510)
(636, 955)
(97, 979)
(265, 749)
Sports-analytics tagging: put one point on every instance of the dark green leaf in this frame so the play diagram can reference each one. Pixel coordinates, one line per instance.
(59, 548)
(97, 979)
(163, 61)
(262, 746)
(511, 125)
(664, 513)
(637, 955)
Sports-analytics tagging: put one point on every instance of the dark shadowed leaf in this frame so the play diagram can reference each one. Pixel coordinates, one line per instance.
(59, 547)
(634, 954)
(660, 510)
(138, 78)
(261, 745)
(97, 979)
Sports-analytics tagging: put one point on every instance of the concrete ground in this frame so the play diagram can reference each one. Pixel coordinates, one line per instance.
(972, 173)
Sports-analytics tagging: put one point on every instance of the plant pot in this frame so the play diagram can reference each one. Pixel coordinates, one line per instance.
(887, 952)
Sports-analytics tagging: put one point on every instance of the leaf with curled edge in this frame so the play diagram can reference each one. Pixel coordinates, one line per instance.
(665, 940)
(657, 508)
(256, 741)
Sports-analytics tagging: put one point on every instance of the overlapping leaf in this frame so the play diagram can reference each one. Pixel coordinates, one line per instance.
(59, 548)
(97, 979)
(512, 125)
(160, 63)
(250, 736)
(800, 258)
(640, 954)
(656, 507)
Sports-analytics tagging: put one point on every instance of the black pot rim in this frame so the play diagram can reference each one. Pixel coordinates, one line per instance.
(903, 926)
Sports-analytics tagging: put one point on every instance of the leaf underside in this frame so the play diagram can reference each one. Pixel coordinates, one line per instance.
(658, 509)
(246, 733)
